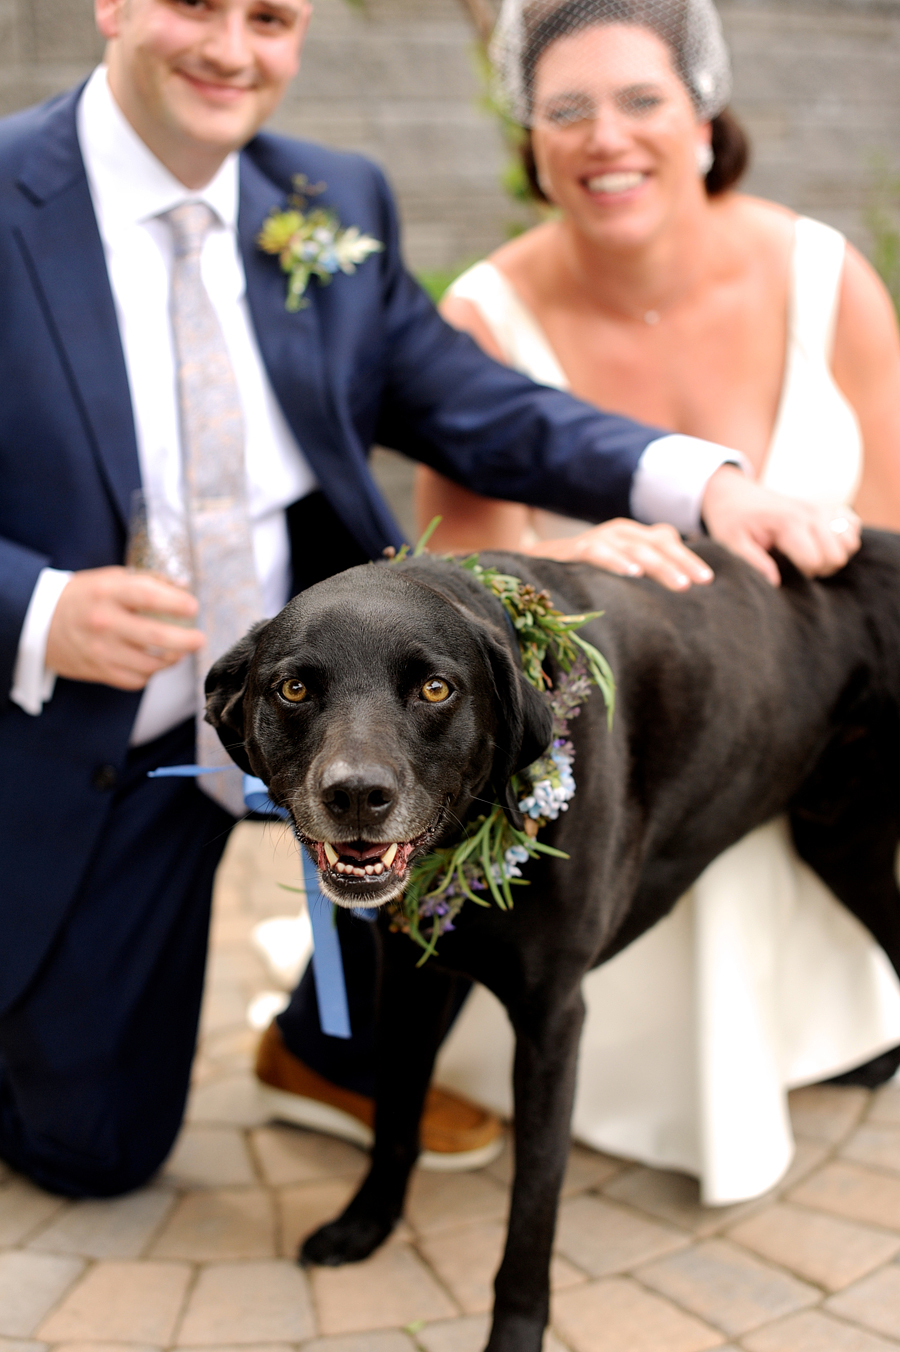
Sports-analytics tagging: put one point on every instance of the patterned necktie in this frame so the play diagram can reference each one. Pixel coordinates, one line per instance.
(215, 484)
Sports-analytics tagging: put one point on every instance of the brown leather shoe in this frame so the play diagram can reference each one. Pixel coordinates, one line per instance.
(455, 1134)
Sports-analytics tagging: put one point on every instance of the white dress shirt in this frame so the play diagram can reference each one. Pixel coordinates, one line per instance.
(130, 188)
(671, 478)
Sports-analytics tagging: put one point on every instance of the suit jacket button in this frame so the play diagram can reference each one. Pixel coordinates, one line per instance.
(105, 778)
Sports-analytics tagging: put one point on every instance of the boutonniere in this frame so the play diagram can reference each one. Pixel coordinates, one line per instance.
(312, 242)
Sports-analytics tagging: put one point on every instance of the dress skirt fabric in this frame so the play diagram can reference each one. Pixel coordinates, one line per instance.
(695, 1031)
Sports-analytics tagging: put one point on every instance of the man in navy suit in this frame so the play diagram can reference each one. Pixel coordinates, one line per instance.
(108, 874)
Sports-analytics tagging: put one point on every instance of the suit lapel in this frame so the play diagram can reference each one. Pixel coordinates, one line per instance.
(290, 343)
(64, 255)
(293, 351)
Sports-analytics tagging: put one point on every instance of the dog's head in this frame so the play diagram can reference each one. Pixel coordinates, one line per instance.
(379, 707)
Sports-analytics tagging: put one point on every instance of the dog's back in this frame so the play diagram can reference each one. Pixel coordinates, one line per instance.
(734, 703)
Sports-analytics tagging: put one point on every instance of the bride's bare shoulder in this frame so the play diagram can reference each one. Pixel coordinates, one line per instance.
(756, 219)
(520, 257)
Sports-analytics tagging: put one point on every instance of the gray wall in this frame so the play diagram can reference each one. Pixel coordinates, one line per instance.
(45, 46)
(398, 81)
(817, 82)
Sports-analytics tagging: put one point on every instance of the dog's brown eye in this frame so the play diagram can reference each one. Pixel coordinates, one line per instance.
(435, 691)
(294, 691)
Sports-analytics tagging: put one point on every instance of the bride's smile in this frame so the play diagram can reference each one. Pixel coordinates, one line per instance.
(616, 183)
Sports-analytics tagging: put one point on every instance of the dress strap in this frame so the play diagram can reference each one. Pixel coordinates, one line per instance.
(517, 333)
(816, 447)
(818, 267)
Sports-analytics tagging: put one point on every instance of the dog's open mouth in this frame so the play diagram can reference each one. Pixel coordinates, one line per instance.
(360, 859)
(371, 871)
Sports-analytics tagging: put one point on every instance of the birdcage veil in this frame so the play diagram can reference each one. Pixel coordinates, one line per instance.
(690, 28)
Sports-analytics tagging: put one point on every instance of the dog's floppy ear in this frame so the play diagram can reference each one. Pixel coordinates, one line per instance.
(226, 682)
(524, 726)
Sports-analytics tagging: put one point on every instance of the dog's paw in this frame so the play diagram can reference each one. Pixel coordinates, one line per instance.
(349, 1239)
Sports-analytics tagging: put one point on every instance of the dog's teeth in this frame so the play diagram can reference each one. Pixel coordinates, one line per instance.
(331, 853)
(370, 868)
(359, 873)
(389, 855)
(340, 868)
(378, 868)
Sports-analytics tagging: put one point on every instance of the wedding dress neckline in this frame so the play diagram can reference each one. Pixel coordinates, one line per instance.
(815, 451)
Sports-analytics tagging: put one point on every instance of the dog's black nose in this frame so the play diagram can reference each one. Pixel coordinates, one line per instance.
(358, 793)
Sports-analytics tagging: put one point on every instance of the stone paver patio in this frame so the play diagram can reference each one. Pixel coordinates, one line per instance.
(203, 1258)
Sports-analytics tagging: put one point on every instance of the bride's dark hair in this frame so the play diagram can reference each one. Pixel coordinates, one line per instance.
(731, 156)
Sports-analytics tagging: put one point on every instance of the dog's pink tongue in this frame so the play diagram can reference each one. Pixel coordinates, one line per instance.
(363, 852)
(401, 858)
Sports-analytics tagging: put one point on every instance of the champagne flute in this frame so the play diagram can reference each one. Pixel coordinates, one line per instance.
(158, 543)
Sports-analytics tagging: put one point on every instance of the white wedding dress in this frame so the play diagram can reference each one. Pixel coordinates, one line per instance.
(759, 980)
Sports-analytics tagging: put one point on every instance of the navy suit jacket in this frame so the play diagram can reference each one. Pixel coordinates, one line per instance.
(368, 360)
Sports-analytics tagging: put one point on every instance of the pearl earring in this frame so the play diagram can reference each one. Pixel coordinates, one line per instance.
(705, 158)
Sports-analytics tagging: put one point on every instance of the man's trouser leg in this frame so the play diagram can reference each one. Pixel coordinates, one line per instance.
(95, 1057)
(348, 1063)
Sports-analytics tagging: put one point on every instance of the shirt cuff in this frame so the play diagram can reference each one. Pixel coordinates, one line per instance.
(671, 478)
(32, 683)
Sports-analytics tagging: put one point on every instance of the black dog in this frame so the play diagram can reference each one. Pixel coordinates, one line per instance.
(381, 706)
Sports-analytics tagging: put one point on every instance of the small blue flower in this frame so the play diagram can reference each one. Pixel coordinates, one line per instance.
(328, 259)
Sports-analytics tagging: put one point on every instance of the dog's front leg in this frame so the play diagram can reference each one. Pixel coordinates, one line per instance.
(547, 1037)
(414, 1009)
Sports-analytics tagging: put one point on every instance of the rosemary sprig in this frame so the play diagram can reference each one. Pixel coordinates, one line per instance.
(542, 629)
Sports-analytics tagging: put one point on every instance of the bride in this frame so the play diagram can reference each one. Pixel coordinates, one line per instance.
(657, 291)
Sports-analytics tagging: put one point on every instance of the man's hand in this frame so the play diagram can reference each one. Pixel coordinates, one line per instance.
(104, 630)
(631, 550)
(751, 520)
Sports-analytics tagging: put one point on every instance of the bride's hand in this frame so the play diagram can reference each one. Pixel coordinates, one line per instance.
(631, 550)
(752, 519)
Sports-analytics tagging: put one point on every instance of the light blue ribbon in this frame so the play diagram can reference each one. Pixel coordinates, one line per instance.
(328, 966)
(187, 771)
(256, 797)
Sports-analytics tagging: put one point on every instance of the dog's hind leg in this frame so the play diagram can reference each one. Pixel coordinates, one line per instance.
(846, 826)
(415, 1007)
(547, 1036)
(858, 865)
